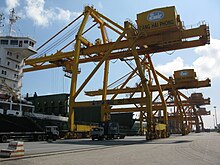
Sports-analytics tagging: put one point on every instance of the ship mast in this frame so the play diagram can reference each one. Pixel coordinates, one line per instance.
(12, 19)
(1, 19)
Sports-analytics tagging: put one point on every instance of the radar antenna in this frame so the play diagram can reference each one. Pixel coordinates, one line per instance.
(12, 19)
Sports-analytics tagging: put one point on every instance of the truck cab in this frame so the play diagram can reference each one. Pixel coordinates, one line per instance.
(106, 130)
(97, 133)
(52, 132)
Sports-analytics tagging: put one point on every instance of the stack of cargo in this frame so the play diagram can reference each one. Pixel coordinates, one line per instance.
(10, 123)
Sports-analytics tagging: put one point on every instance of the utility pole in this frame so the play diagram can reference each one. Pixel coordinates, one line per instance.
(216, 121)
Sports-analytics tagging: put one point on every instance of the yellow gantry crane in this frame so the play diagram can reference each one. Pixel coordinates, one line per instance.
(184, 113)
(156, 31)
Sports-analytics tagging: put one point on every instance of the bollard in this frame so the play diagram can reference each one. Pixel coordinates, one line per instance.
(15, 149)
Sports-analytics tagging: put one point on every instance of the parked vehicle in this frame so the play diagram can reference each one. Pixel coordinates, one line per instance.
(106, 130)
(15, 127)
(52, 133)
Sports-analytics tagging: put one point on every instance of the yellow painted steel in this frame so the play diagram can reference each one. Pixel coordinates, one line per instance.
(164, 106)
(201, 32)
(105, 116)
(142, 113)
(158, 106)
(158, 30)
(84, 128)
(123, 101)
(185, 75)
(133, 39)
(104, 58)
(71, 124)
(164, 87)
(158, 20)
(116, 92)
(160, 127)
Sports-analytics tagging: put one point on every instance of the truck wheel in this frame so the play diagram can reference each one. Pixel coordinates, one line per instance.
(3, 139)
(44, 138)
(122, 137)
(54, 138)
(39, 138)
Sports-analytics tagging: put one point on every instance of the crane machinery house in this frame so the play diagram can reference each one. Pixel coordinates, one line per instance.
(158, 20)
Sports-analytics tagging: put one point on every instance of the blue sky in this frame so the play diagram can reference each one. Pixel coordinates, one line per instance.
(43, 18)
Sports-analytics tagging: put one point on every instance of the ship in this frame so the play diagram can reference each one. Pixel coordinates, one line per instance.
(13, 51)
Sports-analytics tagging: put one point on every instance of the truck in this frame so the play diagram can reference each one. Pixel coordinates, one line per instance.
(106, 130)
(15, 127)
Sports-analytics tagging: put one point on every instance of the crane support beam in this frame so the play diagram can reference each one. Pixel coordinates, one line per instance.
(104, 58)
(177, 117)
(116, 55)
(128, 109)
(73, 87)
(198, 84)
(110, 102)
(164, 106)
(148, 100)
(150, 41)
(40, 67)
(158, 105)
(128, 101)
(153, 40)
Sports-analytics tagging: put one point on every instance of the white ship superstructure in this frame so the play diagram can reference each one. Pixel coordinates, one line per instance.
(13, 51)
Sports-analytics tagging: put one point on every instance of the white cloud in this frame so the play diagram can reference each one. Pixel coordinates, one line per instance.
(35, 10)
(170, 67)
(10, 4)
(207, 65)
(65, 14)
